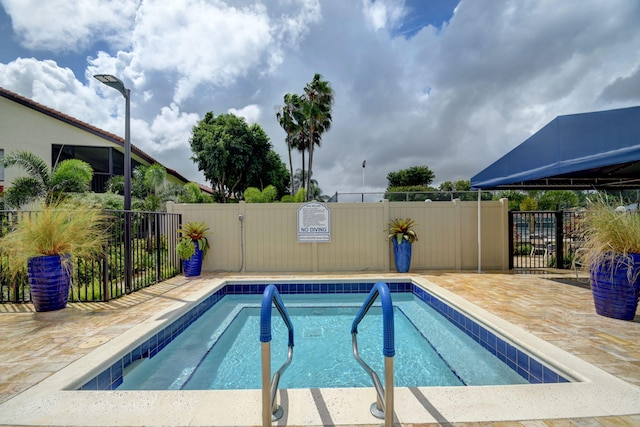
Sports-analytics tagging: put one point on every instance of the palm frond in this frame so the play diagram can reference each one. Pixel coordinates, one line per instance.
(34, 165)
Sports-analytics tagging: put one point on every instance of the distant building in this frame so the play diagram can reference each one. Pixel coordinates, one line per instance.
(53, 136)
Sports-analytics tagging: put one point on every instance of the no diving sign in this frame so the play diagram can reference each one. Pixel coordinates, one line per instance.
(314, 223)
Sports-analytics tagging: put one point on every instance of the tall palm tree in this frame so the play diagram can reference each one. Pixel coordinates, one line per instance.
(286, 119)
(70, 175)
(317, 111)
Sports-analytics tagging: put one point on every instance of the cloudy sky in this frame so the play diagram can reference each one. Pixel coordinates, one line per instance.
(447, 84)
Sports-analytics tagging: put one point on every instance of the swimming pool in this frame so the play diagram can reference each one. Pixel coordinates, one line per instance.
(488, 359)
(222, 351)
(56, 400)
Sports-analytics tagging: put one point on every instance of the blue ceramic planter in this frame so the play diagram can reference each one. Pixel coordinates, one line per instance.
(402, 255)
(613, 295)
(49, 280)
(193, 265)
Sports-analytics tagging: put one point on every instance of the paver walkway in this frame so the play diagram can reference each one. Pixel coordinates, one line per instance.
(33, 345)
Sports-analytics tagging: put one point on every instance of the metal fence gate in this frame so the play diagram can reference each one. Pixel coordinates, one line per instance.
(538, 237)
(153, 255)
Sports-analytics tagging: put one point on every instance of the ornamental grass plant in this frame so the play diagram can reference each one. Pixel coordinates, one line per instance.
(609, 234)
(61, 228)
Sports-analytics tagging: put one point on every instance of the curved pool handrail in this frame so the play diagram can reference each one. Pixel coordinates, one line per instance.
(383, 406)
(270, 295)
(382, 290)
(270, 410)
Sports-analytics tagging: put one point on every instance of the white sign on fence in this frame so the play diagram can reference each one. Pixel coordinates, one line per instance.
(314, 223)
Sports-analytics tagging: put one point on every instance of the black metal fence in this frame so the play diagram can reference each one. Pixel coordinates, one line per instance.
(153, 259)
(543, 239)
(409, 196)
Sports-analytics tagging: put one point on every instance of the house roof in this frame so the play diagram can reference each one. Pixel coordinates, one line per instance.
(596, 150)
(85, 127)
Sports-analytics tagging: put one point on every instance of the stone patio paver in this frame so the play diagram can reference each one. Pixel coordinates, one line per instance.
(33, 345)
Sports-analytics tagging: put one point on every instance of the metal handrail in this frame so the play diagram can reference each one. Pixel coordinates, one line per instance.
(271, 411)
(382, 408)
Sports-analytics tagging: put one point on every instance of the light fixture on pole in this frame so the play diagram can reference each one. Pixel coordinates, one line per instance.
(116, 83)
(364, 163)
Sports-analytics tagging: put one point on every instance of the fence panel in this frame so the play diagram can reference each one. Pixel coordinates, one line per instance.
(537, 237)
(153, 257)
(266, 240)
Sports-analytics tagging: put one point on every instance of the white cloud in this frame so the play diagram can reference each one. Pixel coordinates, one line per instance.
(454, 99)
(384, 14)
(251, 113)
(62, 25)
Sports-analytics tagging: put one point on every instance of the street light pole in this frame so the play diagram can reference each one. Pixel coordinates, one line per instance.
(116, 83)
(364, 163)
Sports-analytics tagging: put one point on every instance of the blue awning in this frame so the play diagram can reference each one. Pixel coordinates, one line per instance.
(579, 151)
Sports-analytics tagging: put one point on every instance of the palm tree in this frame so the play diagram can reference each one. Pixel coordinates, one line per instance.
(71, 175)
(317, 112)
(151, 177)
(287, 120)
(305, 118)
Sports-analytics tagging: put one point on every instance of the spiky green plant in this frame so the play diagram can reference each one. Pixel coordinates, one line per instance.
(609, 235)
(58, 229)
(191, 232)
(402, 228)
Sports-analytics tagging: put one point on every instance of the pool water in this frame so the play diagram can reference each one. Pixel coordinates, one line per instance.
(221, 350)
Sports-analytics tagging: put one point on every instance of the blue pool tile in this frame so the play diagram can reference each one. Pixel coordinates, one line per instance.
(116, 370)
(535, 369)
(522, 359)
(91, 385)
(126, 360)
(116, 383)
(549, 375)
(104, 380)
(492, 342)
(523, 372)
(527, 367)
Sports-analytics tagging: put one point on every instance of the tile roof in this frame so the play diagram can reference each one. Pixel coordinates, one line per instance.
(84, 126)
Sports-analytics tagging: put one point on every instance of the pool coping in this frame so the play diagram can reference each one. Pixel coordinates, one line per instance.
(53, 402)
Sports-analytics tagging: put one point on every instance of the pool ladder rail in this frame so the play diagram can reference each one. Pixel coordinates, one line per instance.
(382, 408)
(271, 411)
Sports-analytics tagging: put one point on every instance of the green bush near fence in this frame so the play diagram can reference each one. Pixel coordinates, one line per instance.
(523, 249)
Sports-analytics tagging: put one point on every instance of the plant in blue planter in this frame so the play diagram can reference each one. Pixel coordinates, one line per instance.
(192, 246)
(45, 244)
(611, 252)
(402, 235)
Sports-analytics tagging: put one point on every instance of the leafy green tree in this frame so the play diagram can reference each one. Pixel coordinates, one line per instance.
(557, 199)
(146, 186)
(459, 189)
(254, 195)
(515, 198)
(231, 154)
(191, 193)
(274, 173)
(413, 176)
(148, 189)
(297, 198)
(415, 180)
(69, 176)
(529, 204)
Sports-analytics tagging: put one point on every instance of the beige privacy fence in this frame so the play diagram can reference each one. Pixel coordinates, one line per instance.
(266, 239)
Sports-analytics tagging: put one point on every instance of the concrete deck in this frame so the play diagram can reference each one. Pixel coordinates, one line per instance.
(35, 346)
